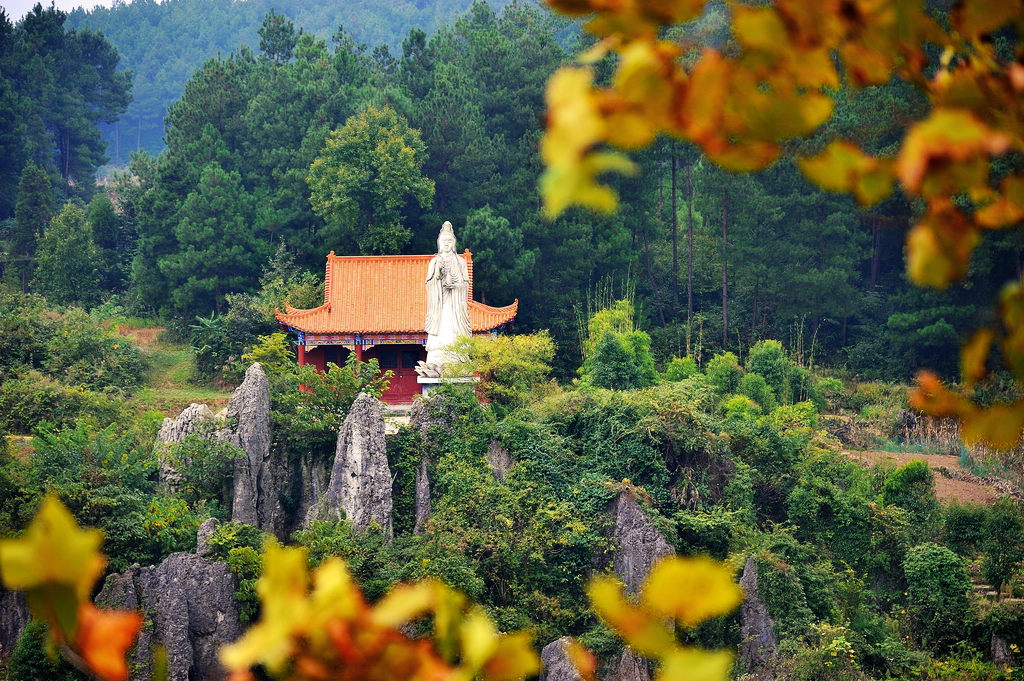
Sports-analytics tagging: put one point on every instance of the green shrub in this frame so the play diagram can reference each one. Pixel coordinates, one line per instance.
(937, 587)
(964, 527)
(756, 388)
(25, 402)
(510, 367)
(741, 407)
(831, 390)
(790, 416)
(171, 526)
(768, 359)
(1004, 542)
(206, 470)
(679, 368)
(705, 532)
(247, 566)
(273, 352)
(801, 388)
(612, 366)
(724, 372)
(912, 487)
(31, 662)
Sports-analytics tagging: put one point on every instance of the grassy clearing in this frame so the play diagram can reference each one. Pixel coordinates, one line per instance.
(168, 389)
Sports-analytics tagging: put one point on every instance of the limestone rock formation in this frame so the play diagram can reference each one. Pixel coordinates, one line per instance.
(556, 662)
(758, 646)
(360, 479)
(499, 460)
(190, 609)
(422, 495)
(203, 535)
(13, 619)
(431, 418)
(258, 480)
(195, 418)
(631, 667)
(1002, 655)
(639, 543)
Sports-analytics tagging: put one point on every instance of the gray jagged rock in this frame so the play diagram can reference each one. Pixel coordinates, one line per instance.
(195, 418)
(190, 609)
(422, 495)
(556, 663)
(431, 418)
(639, 543)
(360, 483)
(631, 667)
(258, 480)
(758, 646)
(1002, 655)
(499, 460)
(203, 535)
(14, 616)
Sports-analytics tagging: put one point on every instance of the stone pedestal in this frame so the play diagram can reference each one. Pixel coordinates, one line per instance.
(430, 383)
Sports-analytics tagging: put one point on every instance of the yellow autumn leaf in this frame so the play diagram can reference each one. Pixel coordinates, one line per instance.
(1011, 309)
(759, 28)
(843, 167)
(1008, 208)
(940, 245)
(283, 591)
(54, 550)
(947, 135)
(479, 639)
(577, 184)
(405, 603)
(513, 658)
(691, 589)
(574, 121)
(582, 659)
(999, 426)
(693, 664)
(974, 357)
(981, 17)
(643, 631)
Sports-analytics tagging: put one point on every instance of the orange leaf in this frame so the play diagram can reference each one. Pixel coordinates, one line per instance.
(103, 637)
(939, 246)
(843, 167)
(935, 399)
(582, 659)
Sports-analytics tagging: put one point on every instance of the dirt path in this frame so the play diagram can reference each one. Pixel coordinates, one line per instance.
(947, 469)
(167, 388)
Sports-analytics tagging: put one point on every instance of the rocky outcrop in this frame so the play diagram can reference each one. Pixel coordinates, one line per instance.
(1002, 655)
(189, 606)
(360, 484)
(631, 667)
(499, 460)
(556, 663)
(193, 419)
(639, 543)
(203, 535)
(758, 646)
(422, 500)
(431, 418)
(13, 618)
(258, 480)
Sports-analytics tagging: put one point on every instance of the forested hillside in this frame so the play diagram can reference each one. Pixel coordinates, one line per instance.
(164, 43)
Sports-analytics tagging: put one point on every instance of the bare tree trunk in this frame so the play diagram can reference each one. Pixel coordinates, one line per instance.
(689, 239)
(675, 235)
(725, 271)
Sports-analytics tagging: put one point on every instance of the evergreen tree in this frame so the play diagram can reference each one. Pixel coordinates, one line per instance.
(31, 215)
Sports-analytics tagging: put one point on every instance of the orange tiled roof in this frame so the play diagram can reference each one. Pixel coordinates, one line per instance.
(383, 294)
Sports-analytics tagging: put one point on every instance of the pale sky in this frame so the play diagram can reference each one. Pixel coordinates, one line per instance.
(16, 9)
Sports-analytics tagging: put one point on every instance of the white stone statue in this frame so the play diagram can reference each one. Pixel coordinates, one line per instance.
(447, 300)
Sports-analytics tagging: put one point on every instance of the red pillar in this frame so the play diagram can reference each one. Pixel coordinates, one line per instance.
(359, 352)
(302, 355)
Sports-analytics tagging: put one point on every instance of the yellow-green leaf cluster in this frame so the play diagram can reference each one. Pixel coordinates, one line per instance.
(319, 626)
(56, 563)
(686, 590)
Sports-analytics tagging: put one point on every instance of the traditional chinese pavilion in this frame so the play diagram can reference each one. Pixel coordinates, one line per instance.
(375, 306)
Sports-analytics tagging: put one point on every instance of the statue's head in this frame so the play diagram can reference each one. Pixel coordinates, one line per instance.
(446, 239)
